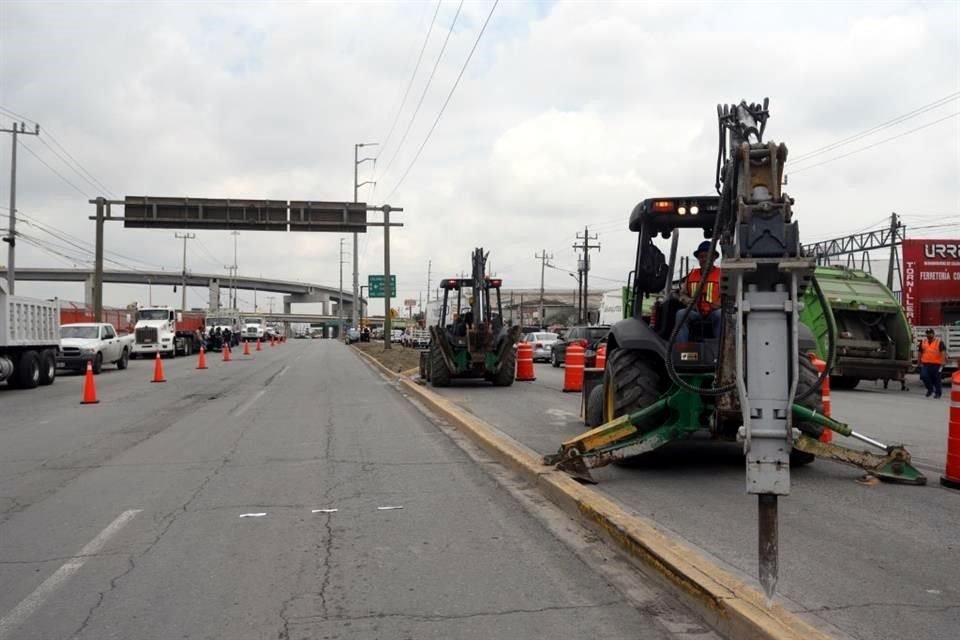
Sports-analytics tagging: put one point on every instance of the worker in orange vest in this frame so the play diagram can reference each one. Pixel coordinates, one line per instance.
(933, 356)
(708, 305)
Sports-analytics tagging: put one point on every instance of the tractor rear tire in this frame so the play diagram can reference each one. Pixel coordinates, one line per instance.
(630, 384)
(508, 369)
(808, 378)
(439, 374)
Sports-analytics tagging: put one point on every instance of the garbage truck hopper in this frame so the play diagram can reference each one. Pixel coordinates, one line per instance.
(873, 339)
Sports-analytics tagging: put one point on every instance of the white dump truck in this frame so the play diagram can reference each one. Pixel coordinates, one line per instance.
(29, 340)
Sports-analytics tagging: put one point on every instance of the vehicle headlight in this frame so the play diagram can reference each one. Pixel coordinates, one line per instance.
(88, 351)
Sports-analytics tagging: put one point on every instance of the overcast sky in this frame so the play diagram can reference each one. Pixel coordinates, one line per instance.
(567, 115)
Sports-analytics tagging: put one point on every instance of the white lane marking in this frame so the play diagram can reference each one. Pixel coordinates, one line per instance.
(242, 409)
(252, 515)
(282, 371)
(323, 510)
(389, 508)
(29, 605)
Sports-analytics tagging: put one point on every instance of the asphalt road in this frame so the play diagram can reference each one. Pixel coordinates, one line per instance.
(292, 495)
(873, 561)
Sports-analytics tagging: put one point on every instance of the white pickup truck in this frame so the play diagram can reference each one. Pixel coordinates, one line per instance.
(93, 342)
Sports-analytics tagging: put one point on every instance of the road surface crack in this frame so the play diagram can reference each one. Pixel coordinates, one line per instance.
(437, 617)
(907, 605)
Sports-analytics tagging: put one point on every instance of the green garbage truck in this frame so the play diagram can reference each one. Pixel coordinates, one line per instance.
(873, 338)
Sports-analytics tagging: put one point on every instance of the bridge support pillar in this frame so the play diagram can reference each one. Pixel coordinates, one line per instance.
(88, 291)
(214, 294)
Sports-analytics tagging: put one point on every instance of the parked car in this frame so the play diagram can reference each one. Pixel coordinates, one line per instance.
(542, 342)
(588, 337)
(353, 335)
(93, 342)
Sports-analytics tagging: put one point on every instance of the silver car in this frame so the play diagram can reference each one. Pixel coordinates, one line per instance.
(542, 342)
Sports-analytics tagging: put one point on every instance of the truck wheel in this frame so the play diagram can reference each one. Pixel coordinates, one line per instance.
(124, 359)
(27, 373)
(808, 379)
(439, 374)
(630, 383)
(48, 367)
(844, 382)
(594, 417)
(97, 363)
(508, 369)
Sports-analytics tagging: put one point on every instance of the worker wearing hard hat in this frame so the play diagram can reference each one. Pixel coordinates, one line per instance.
(708, 304)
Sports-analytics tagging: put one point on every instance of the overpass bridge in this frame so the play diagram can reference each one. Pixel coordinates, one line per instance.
(294, 292)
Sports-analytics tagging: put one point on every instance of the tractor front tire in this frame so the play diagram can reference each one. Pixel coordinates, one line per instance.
(508, 369)
(439, 374)
(808, 378)
(630, 384)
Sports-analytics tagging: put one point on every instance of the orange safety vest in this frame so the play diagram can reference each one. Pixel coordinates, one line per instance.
(711, 289)
(931, 352)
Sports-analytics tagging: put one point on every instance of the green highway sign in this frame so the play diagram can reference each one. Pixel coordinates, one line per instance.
(375, 286)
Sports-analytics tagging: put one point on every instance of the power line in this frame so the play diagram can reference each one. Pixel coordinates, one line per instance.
(876, 144)
(57, 173)
(413, 75)
(426, 88)
(884, 125)
(447, 101)
(80, 169)
(14, 114)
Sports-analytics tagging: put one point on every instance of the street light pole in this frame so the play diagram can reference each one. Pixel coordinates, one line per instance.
(356, 185)
(11, 238)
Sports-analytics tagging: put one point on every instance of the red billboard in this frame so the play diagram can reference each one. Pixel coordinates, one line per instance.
(931, 278)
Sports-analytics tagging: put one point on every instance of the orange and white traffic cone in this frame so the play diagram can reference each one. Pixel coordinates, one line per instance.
(158, 369)
(202, 359)
(826, 435)
(525, 369)
(951, 474)
(601, 362)
(246, 348)
(89, 388)
(258, 344)
(573, 371)
(226, 353)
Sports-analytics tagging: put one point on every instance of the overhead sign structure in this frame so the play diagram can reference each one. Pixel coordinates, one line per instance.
(375, 285)
(328, 216)
(245, 214)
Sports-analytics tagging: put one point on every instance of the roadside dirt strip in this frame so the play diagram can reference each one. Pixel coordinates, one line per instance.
(723, 601)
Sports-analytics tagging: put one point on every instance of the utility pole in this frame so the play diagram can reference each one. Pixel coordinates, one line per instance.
(429, 278)
(894, 223)
(542, 257)
(386, 278)
(340, 299)
(584, 269)
(11, 237)
(233, 283)
(356, 252)
(184, 237)
(271, 299)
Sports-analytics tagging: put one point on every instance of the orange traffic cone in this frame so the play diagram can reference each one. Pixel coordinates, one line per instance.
(258, 344)
(827, 435)
(158, 369)
(226, 353)
(89, 389)
(951, 474)
(202, 359)
(525, 369)
(246, 348)
(601, 362)
(573, 371)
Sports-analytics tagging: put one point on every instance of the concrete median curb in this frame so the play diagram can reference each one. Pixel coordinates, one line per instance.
(729, 605)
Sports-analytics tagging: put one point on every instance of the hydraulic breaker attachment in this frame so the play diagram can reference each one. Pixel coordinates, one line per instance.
(678, 412)
(894, 465)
